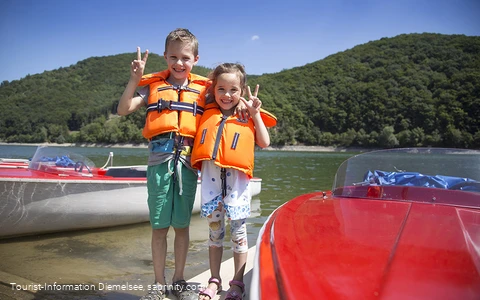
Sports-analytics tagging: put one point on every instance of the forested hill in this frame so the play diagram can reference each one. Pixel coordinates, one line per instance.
(409, 90)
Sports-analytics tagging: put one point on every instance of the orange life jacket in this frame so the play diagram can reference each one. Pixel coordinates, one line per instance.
(227, 140)
(173, 108)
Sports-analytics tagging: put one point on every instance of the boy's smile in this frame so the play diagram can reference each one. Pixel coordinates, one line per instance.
(180, 60)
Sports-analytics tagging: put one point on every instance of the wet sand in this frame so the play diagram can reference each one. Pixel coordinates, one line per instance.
(112, 263)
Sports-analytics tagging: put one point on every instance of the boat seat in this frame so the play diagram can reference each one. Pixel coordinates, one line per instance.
(136, 172)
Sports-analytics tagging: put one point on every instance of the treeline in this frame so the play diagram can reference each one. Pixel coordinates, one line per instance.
(410, 90)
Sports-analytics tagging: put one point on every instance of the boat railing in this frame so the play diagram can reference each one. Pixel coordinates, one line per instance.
(109, 160)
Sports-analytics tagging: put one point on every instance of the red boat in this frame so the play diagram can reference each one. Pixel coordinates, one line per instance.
(58, 190)
(383, 232)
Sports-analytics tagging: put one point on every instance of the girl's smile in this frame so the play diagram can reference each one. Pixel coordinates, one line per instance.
(227, 92)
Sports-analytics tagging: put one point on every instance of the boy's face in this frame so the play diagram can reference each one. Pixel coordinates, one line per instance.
(227, 91)
(180, 60)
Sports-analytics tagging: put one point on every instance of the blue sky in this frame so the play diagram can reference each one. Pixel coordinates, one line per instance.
(266, 36)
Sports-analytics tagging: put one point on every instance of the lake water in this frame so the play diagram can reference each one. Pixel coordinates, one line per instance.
(122, 255)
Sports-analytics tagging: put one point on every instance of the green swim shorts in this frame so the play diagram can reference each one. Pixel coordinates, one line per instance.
(167, 207)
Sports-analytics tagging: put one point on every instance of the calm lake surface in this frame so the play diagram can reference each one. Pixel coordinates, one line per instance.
(122, 255)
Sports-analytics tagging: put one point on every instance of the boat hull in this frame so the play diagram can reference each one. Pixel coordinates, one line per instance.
(46, 206)
(32, 206)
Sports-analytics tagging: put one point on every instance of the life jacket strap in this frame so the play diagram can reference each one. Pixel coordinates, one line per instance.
(223, 177)
(178, 88)
(162, 104)
(218, 138)
(178, 151)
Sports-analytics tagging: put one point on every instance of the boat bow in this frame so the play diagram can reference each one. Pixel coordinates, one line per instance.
(366, 241)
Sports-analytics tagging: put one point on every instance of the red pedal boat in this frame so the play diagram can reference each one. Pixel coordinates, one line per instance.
(59, 190)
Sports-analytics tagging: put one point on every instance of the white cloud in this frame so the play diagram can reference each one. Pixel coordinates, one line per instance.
(255, 37)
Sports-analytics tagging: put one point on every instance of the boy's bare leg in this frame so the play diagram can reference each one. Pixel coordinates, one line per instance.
(181, 244)
(159, 253)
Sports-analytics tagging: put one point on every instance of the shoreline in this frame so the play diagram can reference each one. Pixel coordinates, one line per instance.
(297, 148)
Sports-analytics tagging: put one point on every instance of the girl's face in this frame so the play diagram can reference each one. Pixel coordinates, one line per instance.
(227, 92)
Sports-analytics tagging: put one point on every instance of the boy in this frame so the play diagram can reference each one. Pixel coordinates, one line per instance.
(175, 99)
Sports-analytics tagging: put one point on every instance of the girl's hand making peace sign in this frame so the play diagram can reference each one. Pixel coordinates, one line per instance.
(253, 104)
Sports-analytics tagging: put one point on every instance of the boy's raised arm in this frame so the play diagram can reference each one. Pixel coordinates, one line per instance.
(128, 102)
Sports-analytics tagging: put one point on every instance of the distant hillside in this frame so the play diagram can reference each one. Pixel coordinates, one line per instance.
(49, 106)
(409, 90)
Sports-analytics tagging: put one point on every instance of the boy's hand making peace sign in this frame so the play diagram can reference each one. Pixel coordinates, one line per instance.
(138, 66)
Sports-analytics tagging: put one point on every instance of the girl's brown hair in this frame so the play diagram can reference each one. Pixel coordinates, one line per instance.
(237, 68)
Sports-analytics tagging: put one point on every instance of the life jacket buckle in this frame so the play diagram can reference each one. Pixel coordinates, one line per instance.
(163, 104)
(181, 88)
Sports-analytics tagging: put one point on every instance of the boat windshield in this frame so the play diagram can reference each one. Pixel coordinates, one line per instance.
(59, 160)
(412, 174)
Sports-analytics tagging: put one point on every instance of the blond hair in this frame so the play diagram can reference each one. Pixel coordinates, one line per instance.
(182, 35)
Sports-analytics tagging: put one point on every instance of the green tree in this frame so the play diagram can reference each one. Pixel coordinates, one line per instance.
(387, 138)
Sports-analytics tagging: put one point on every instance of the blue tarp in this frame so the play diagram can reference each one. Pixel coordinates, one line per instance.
(60, 161)
(417, 179)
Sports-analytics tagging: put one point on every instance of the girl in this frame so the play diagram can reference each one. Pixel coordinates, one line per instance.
(224, 151)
